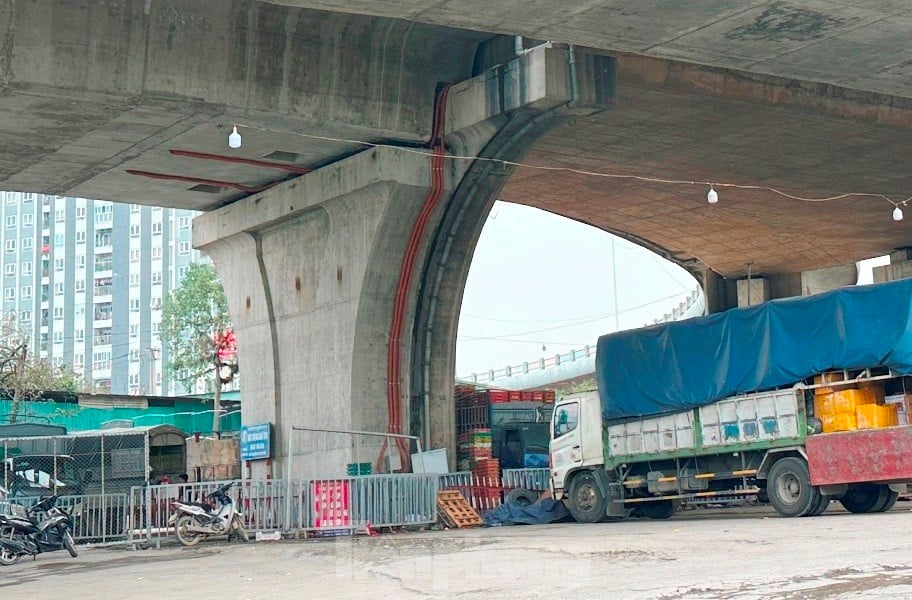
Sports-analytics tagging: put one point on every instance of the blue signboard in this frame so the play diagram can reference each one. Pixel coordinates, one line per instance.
(256, 441)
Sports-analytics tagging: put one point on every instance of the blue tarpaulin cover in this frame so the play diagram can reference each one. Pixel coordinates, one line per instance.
(681, 365)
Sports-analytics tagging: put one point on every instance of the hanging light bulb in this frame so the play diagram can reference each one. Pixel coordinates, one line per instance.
(544, 348)
(897, 213)
(712, 197)
(234, 138)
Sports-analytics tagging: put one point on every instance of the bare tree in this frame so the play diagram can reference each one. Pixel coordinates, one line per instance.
(23, 376)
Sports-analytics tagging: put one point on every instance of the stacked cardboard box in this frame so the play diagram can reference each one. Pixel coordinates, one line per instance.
(849, 406)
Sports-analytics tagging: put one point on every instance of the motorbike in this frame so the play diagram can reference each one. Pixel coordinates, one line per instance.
(195, 521)
(43, 528)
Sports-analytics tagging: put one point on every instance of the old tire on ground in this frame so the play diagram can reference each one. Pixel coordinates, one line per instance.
(586, 502)
(865, 497)
(521, 496)
(821, 506)
(789, 487)
(184, 535)
(660, 509)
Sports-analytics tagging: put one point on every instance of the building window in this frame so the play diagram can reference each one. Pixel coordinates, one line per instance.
(59, 263)
(134, 379)
(156, 278)
(26, 267)
(11, 222)
(134, 230)
(156, 252)
(134, 305)
(181, 272)
(78, 361)
(155, 327)
(134, 208)
(156, 228)
(58, 289)
(80, 237)
(10, 269)
(183, 222)
(10, 246)
(58, 337)
(25, 292)
(58, 312)
(102, 239)
(80, 212)
(101, 360)
(60, 215)
(134, 255)
(26, 219)
(80, 335)
(11, 198)
(134, 279)
(183, 248)
(80, 261)
(59, 239)
(9, 293)
(27, 243)
(80, 285)
(134, 330)
(134, 355)
(25, 315)
(80, 310)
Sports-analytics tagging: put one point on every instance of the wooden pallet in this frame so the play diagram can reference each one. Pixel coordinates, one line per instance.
(455, 511)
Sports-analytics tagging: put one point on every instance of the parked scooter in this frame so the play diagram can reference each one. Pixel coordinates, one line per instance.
(194, 521)
(43, 528)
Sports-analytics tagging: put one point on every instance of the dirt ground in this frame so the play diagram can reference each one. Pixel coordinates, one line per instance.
(701, 554)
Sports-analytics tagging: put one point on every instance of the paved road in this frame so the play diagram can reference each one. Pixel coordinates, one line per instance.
(722, 554)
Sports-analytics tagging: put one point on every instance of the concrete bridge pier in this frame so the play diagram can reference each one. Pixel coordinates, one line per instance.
(345, 284)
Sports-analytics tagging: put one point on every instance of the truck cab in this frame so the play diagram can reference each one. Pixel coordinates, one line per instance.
(576, 438)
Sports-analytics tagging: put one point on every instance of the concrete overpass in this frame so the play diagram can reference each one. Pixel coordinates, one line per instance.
(324, 241)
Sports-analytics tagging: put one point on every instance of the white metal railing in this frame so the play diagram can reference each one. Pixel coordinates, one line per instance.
(586, 351)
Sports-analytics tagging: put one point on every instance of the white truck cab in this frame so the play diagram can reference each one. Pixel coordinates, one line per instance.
(576, 438)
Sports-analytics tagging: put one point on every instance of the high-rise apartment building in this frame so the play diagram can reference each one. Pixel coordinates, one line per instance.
(87, 278)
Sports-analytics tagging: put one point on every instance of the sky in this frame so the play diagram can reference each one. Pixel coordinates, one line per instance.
(539, 279)
(541, 284)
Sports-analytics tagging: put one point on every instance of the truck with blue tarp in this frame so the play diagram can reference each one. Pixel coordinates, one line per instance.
(797, 401)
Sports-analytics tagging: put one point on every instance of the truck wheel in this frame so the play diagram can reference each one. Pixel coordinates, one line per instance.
(892, 497)
(586, 503)
(522, 497)
(789, 488)
(865, 497)
(820, 507)
(660, 509)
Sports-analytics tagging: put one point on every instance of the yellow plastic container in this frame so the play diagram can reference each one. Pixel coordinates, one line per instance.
(838, 422)
(830, 377)
(842, 402)
(874, 390)
(875, 416)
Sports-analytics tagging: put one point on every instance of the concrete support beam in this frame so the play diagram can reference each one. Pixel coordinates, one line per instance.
(311, 268)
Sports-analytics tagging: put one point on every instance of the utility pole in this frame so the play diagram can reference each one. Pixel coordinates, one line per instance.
(153, 354)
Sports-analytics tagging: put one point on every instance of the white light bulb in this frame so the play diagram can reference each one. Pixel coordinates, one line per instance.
(712, 197)
(234, 139)
(897, 214)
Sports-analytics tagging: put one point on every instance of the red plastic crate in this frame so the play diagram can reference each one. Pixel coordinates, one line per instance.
(526, 396)
(538, 396)
(549, 395)
(514, 396)
(497, 396)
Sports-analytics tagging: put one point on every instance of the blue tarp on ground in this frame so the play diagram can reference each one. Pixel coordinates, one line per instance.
(690, 363)
(540, 513)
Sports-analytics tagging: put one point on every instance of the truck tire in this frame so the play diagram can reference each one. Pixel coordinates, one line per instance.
(660, 509)
(892, 497)
(821, 506)
(521, 496)
(865, 497)
(789, 488)
(586, 501)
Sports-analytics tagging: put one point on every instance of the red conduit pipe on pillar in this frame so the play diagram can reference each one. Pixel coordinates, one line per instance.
(406, 271)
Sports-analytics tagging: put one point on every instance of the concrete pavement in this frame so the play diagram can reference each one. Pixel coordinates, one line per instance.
(721, 554)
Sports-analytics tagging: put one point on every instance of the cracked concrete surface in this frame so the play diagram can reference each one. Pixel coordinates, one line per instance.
(731, 554)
